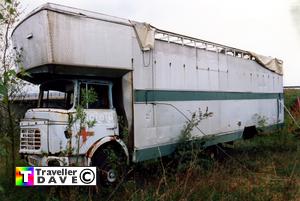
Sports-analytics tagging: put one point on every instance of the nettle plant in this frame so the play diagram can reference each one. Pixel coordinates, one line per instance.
(191, 124)
(261, 120)
(78, 122)
(189, 146)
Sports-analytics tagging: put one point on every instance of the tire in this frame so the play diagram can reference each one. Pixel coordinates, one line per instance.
(111, 166)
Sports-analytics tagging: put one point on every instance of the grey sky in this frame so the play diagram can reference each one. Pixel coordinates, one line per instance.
(268, 27)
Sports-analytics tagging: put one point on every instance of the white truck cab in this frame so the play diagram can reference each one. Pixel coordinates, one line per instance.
(48, 138)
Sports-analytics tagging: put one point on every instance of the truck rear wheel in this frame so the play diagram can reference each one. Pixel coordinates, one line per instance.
(111, 166)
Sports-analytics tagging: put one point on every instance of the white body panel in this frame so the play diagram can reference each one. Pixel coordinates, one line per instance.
(162, 124)
(183, 70)
(70, 39)
(215, 72)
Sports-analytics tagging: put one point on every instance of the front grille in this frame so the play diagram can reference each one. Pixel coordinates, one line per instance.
(30, 139)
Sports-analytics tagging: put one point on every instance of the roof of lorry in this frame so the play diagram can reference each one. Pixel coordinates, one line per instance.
(79, 12)
(270, 63)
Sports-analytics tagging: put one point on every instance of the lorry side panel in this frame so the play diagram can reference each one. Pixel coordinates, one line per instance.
(237, 91)
(72, 40)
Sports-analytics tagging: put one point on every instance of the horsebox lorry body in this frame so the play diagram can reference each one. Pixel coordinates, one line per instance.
(154, 80)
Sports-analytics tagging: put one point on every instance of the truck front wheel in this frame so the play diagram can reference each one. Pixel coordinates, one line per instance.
(111, 166)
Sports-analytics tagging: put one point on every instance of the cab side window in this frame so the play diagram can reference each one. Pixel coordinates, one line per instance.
(102, 95)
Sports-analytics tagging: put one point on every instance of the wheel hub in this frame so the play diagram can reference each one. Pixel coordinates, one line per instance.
(111, 176)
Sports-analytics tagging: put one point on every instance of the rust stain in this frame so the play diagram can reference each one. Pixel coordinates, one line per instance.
(90, 152)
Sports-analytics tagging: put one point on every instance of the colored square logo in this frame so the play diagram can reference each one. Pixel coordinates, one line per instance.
(24, 176)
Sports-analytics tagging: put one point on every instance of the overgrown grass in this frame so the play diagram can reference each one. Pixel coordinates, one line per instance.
(264, 168)
(290, 96)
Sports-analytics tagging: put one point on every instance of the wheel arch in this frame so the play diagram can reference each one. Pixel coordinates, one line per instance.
(249, 132)
(113, 140)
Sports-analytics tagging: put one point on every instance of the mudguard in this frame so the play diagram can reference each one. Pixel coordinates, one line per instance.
(103, 141)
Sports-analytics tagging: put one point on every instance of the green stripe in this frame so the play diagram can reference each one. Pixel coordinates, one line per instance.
(164, 95)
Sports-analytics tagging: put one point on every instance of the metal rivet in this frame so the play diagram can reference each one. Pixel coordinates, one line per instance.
(29, 36)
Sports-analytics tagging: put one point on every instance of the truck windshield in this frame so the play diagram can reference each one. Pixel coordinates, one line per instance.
(57, 94)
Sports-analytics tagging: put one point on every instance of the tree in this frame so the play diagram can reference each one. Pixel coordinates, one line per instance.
(9, 84)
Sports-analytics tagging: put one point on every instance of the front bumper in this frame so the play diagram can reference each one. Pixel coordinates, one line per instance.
(38, 160)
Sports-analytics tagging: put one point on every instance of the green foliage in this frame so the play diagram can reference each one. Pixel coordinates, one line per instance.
(8, 9)
(91, 123)
(261, 121)
(10, 85)
(7, 82)
(1, 189)
(124, 131)
(191, 124)
(80, 118)
(88, 96)
(189, 149)
(290, 96)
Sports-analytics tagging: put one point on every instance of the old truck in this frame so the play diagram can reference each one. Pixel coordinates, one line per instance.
(148, 83)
